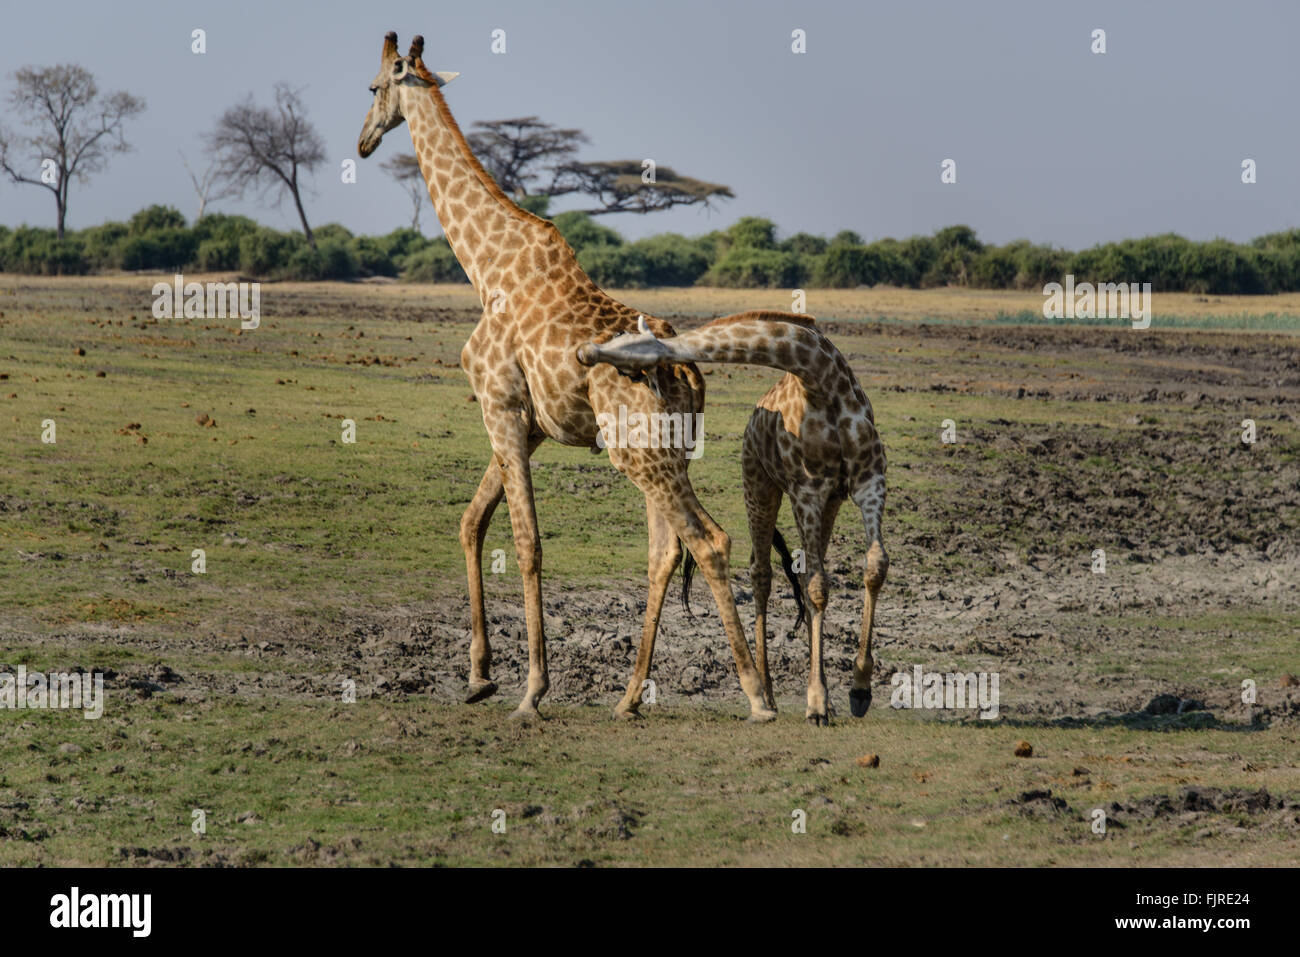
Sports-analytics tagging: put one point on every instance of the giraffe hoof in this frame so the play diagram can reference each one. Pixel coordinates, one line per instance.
(761, 717)
(478, 690)
(628, 714)
(860, 701)
(818, 720)
(526, 715)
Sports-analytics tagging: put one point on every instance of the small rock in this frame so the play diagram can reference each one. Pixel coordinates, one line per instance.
(1289, 681)
(1024, 749)
(869, 761)
(67, 747)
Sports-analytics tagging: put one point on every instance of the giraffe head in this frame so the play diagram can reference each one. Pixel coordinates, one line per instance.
(398, 75)
(626, 352)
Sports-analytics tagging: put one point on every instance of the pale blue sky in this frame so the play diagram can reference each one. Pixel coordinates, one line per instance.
(1052, 143)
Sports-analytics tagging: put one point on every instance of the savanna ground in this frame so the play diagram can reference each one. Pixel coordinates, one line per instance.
(328, 562)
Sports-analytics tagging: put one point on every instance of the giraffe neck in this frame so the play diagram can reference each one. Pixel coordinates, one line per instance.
(485, 229)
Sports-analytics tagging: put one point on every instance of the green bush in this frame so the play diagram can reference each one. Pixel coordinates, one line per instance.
(1221, 267)
(151, 219)
(951, 267)
(614, 265)
(748, 267)
(957, 237)
(331, 231)
(918, 254)
(434, 263)
(264, 252)
(373, 258)
(403, 242)
(895, 269)
(39, 252)
(104, 244)
(1280, 266)
(714, 245)
(745, 254)
(804, 244)
(670, 260)
(331, 259)
(753, 232)
(218, 255)
(1038, 265)
(166, 249)
(845, 267)
(223, 226)
(994, 268)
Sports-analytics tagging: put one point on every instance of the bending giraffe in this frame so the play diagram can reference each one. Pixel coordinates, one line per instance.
(813, 437)
(538, 307)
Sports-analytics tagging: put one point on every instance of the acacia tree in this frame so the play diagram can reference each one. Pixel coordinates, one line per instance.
(405, 169)
(268, 148)
(520, 151)
(624, 186)
(524, 151)
(74, 129)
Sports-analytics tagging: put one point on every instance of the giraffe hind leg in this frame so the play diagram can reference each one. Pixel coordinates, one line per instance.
(809, 509)
(871, 500)
(762, 505)
(665, 552)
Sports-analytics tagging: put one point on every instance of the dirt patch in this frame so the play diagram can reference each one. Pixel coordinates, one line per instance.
(1233, 808)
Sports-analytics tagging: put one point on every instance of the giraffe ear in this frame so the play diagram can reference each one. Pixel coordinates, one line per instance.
(444, 77)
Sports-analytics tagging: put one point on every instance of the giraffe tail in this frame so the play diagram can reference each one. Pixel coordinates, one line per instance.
(787, 566)
(785, 341)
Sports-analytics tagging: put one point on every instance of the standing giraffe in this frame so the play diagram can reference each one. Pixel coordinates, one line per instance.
(538, 307)
(813, 437)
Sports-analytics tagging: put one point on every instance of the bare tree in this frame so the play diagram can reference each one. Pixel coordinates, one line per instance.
(76, 129)
(268, 148)
(209, 187)
(405, 169)
(521, 152)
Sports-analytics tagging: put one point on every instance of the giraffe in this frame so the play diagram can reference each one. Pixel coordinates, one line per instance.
(538, 307)
(812, 437)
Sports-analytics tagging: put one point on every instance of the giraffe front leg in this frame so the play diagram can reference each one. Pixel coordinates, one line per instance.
(864, 663)
(872, 503)
(473, 530)
(512, 448)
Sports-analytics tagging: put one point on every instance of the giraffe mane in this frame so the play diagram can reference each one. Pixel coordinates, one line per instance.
(444, 112)
(791, 317)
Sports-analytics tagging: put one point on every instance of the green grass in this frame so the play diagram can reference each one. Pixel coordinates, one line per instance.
(411, 783)
(96, 536)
